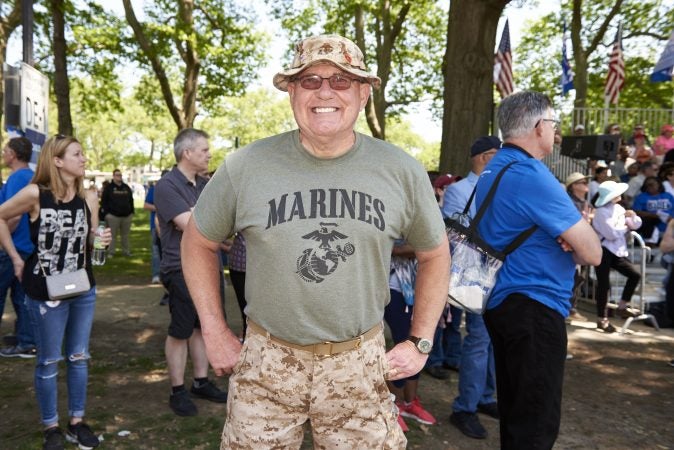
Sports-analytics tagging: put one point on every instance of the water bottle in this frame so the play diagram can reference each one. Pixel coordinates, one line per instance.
(98, 256)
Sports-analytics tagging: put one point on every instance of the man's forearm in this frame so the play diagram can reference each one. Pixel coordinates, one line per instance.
(430, 295)
(201, 270)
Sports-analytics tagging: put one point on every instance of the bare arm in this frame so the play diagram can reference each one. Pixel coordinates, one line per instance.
(430, 297)
(181, 221)
(201, 270)
(149, 206)
(25, 201)
(584, 243)
(13, 223)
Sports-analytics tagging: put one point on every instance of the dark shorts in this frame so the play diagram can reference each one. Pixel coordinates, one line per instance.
(184, 317)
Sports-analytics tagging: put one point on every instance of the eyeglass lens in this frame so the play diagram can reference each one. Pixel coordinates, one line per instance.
(337, 82)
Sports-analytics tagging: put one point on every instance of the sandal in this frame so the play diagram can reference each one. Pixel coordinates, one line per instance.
(605, 326)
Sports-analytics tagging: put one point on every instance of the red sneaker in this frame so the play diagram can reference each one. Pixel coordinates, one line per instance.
(415, 411)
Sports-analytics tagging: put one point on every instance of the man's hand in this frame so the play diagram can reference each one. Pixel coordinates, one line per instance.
(223, 352)
(404, 360)
(565, 245)
(18, 267)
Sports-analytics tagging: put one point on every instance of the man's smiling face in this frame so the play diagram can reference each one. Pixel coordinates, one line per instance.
(326, 113)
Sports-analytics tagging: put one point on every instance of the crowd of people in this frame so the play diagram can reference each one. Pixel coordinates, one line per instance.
(323, 252)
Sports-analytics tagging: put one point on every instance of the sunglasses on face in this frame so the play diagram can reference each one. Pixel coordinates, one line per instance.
(337, 82)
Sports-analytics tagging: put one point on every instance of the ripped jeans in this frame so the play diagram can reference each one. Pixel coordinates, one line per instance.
(57, 323)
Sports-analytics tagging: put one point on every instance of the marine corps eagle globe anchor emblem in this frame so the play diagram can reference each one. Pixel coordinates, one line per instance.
(316, 263)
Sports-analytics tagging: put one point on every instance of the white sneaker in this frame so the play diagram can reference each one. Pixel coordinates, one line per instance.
(155, 279)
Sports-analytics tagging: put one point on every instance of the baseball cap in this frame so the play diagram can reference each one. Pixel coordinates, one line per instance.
(483, 144)
(580, 126)
(666, 127)
(445, 180)
(333, 49)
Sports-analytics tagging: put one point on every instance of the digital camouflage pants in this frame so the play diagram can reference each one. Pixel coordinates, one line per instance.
(274, 390)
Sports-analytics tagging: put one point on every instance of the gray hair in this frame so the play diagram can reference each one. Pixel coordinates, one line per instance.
(185, 140)
(518, 113)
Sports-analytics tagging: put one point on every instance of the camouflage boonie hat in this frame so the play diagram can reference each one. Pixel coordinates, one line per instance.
(332, 49)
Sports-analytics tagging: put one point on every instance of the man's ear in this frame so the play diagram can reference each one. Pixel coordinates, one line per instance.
(365, 92)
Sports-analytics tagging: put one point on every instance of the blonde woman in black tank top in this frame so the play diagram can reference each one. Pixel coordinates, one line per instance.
(63, 218)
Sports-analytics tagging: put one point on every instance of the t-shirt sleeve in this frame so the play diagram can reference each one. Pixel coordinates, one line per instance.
(551, 209)
(426, 227)
(15, 183)
(169, 202)
(215, 211)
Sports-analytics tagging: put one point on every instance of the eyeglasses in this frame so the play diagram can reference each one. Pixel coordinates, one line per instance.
(581, 182)
(555, 123)
(337, 82)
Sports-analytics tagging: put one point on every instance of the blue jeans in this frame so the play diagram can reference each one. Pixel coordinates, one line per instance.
(24, 330)
(66, 321)
(155, 254)
(477, 378)
(447, 342)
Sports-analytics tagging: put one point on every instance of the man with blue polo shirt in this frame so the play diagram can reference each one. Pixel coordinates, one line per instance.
(16, 155)
(526, 311)
(477, 379)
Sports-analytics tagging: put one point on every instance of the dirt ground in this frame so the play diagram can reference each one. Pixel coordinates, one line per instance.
(618, 392)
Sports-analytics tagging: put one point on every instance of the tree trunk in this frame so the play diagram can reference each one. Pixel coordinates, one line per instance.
(61, 83)
(7, 25)
(388, 30)
(370, 110)
(468, 73)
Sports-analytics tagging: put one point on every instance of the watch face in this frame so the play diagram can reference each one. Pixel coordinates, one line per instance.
(424, 346)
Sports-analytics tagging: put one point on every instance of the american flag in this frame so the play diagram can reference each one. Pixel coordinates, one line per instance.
(503, 65)
(567, 72)
(616, 70)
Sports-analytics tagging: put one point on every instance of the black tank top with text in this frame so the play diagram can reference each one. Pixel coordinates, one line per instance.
(59, 234)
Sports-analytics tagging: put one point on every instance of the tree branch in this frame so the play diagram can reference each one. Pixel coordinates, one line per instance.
(156, 64)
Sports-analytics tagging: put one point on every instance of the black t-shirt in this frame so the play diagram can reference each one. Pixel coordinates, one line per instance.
(59, 234)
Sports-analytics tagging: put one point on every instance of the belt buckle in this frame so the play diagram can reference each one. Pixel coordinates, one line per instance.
(325, 354)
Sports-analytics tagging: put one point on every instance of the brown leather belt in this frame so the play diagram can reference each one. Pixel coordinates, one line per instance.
(322, 348)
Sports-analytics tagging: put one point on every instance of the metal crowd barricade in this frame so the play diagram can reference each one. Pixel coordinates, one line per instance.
(645, 256)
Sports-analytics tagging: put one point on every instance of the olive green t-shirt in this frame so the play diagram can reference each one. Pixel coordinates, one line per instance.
(319, 232)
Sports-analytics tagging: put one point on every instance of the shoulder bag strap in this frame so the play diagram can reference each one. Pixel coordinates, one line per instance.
(490, 195)
(523, 236)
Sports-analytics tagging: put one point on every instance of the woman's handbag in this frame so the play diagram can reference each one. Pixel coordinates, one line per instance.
(475, 264)
(68, 284)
